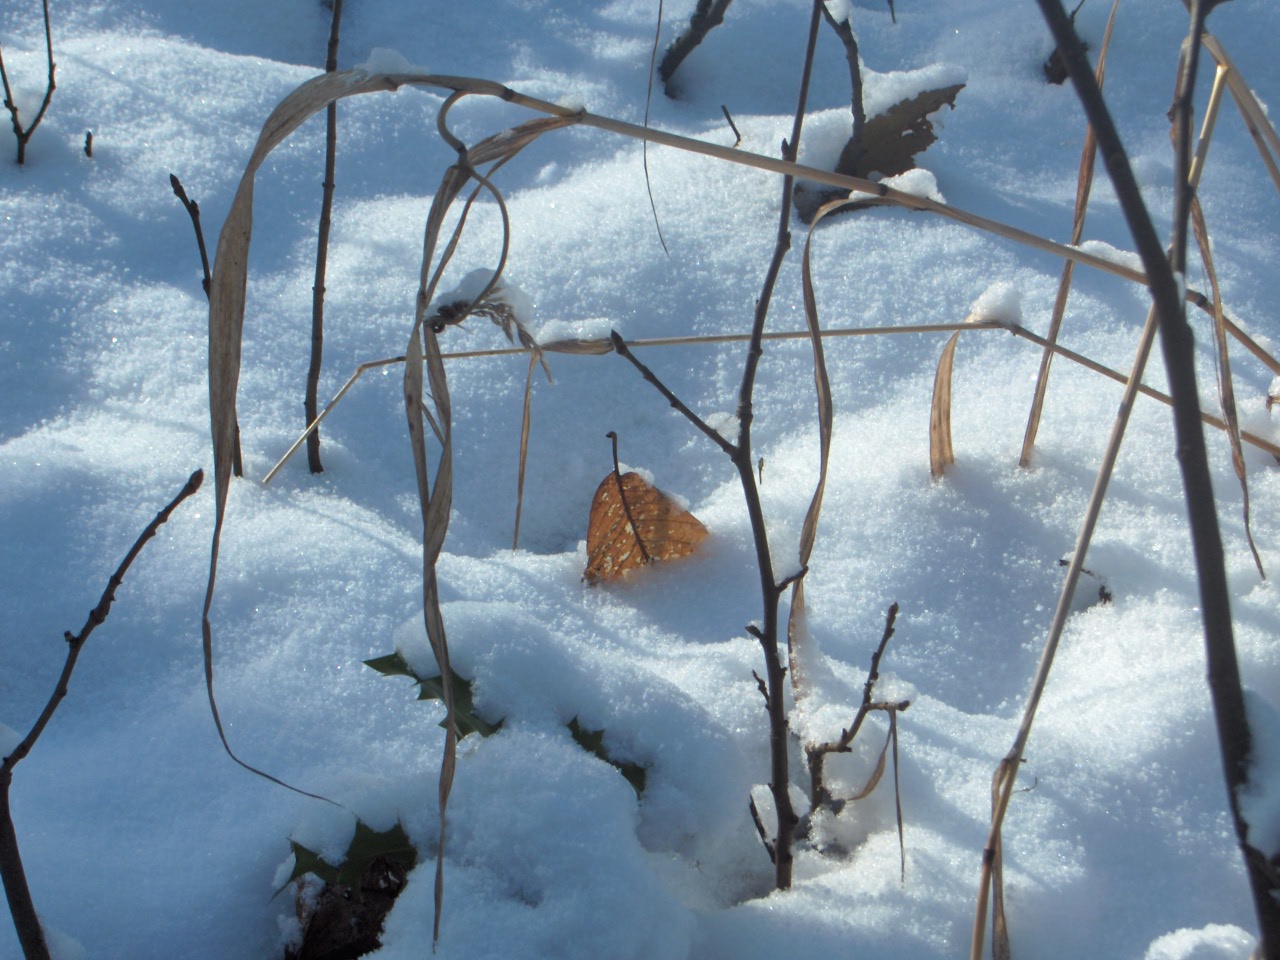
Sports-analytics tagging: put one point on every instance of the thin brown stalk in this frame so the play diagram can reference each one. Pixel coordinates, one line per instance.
(602, 346)
(524, 445)
(1084, 185)
(853, 151)
(193, 211)
(775, 672)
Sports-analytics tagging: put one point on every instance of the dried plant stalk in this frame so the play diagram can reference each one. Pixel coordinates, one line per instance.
(1226, 390)
(1084, 185)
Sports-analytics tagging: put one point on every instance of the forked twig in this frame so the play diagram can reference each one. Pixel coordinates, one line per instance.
(816, 753)
(23, 133)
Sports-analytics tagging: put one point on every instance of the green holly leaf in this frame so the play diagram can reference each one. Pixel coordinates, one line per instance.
(392, 665)
(366, 846)
(466, 719)
(592, 741)
(308, 861)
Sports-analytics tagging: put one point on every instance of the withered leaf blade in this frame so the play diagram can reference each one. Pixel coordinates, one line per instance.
(662, 530)
(891, 141)
(941, 453)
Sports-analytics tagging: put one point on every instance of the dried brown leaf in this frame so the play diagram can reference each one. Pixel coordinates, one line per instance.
(633, 523)
(892, 140)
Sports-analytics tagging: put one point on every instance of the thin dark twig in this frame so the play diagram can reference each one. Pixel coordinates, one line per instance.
(620, 346)
(744, 462)
(622, 495)
(706, 16)
(851, 155)
(311, 403)
(193, 210)
(737, 137)
(816, 754)
(22, 133)
(21, 905)
(760, 829)
(762, 687)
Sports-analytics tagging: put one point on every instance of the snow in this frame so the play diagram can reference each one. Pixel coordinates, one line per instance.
(918, 182)
(1105, 251)
(142, 839)
(1001, 301)
(387, 60)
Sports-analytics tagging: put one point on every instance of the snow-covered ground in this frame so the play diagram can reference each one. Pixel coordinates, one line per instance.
(142, 839)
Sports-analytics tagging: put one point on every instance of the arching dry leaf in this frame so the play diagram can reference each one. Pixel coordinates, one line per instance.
(633, 523)
(941, 454)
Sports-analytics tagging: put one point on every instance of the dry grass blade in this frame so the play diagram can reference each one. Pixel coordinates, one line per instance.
(1251, 111)
(897, 797)
(941, 452)
(435, 501)
(644, 149)
(1084, 185)
(873, 781)
(1226, 391)
(797, 627)
(226, 327)
(524, 447)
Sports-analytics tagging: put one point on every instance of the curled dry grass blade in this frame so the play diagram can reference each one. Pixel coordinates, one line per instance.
(797, 626)
(1226, 390)
(226, 325)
